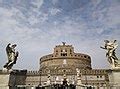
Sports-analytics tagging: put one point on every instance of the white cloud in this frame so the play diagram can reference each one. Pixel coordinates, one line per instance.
(43, 18)
(99, 30)
(33, 20)
(38, 3)
(54, 11)
(6, 17)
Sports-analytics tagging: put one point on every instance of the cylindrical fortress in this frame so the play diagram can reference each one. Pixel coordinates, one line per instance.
(64, 57)
(65, 67)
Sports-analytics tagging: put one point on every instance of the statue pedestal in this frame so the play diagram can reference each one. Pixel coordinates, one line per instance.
(9, 80)
(79, 81)
(4, 87)
(48, 82)
(4, 79)
(114, 77)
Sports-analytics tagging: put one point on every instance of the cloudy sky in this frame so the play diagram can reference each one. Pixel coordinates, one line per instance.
(36, 26)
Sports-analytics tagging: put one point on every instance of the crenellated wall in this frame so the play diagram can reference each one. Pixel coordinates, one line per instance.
(91, 77)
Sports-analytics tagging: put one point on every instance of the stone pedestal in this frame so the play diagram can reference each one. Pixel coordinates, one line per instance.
(78, 87)
(79, 81)
(33, 88)
(4, 80)
(114, 77)
(48, 80)
(4, 87)
(9, 80)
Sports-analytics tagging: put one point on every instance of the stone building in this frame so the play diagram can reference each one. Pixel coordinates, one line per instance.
(64, 65)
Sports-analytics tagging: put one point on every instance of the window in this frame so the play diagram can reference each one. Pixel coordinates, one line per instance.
(88, 57)
(63, 54)
(65, 50)
(56, 50)
(56, 53)
(85, 56)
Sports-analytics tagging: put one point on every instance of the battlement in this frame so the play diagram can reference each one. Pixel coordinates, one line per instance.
(95, 71)
(15, 72)
(33, 73)
(4, 72)
(80, 55)
(46, 57)
(63, 45)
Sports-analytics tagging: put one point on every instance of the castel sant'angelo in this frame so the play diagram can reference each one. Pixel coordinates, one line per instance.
(63, 66)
